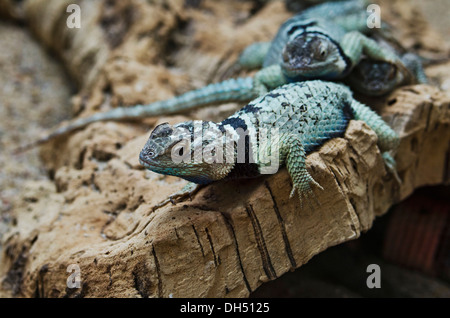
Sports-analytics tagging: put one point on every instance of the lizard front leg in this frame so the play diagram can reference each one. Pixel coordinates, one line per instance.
(251, 58)
(253, 55)
(355, 44)
(292, 150)
(186, 192)
(268, 78)
(414, 64)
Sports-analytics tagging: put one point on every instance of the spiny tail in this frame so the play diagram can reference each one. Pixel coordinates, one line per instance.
(232, 90)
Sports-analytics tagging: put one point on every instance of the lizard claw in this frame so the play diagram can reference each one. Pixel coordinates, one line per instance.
(305, 192)
(187, 192)
(174, 199)
(160, 205)
(391, 166)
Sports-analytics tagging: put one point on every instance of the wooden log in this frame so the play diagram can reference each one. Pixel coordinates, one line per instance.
(97, 212)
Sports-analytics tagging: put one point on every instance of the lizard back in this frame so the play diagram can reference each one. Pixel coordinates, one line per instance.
(313, 111)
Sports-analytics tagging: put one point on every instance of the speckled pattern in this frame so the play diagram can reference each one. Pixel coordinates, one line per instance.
(89, 219)
(297, 117)
(317, 48)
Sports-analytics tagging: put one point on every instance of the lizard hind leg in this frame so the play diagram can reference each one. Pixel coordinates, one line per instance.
(292, 150)
(388, 139)
(391, 165)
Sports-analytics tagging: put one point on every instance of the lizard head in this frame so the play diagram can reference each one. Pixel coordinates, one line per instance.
(189, 150)
(374, 78)
(312, 55)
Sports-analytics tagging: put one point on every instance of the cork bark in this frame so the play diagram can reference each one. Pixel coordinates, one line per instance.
(96, 210)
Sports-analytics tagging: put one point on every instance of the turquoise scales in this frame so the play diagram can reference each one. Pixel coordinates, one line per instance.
(324, 42)
(376, 78)
(306, 47)
(306, 114)
(240, 89)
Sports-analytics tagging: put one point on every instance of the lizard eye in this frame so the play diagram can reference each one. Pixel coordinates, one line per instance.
(392, 73)
(180, 150)
(322, 52)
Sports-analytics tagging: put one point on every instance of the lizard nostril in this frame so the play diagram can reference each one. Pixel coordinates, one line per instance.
(145, 155)
(141, 156)
(285, 56)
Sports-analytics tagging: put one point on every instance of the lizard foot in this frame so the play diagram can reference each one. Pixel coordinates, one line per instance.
(187, 192)
(391, 165)
(305, 191)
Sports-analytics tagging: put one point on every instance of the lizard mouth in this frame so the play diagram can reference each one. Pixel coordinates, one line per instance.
(375, 86)
(146, 162)
(292, 67)
(303, 69)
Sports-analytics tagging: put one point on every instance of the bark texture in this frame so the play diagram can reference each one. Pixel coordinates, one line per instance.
(96, 211)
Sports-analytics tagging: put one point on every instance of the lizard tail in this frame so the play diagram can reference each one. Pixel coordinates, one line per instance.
(232, 90)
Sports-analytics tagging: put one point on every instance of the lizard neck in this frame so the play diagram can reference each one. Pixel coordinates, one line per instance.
(240, 133)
